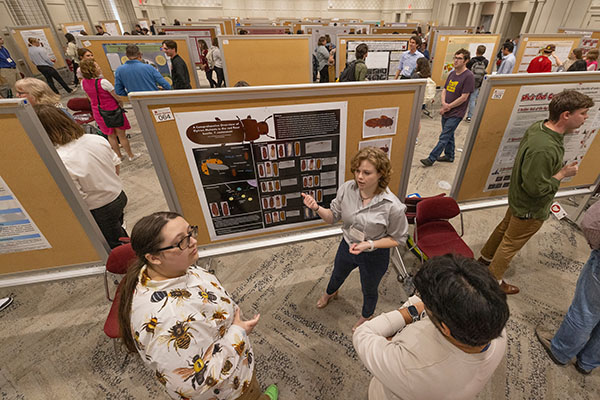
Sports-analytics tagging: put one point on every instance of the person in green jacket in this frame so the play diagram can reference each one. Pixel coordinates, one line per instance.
(535, 179)
(360, 69)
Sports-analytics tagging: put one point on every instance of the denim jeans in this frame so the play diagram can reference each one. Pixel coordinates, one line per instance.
(372, 267)
(446, 141)
(472, 101)
(579, 333)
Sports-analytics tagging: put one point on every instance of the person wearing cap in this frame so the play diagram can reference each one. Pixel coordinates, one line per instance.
(579, 332)
(542, 62)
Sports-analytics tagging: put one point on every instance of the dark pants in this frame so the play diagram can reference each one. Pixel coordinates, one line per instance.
(371, 265)
(220, 77)
(75, 79)
(110, 220)
(324, 74)
(50, 74)
(209, 76)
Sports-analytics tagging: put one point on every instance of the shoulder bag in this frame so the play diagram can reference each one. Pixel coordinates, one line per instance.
(112, 118)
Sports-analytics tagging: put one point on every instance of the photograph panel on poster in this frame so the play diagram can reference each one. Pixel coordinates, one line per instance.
(380, 122)
(384, 145)
(246, 168)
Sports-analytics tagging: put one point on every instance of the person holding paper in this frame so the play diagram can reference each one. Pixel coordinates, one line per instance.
(536, 176)
(374, 221)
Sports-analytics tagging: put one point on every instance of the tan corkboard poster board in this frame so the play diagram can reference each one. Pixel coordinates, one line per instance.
(111, 26)
(530, 46)
(47, 40)
(26, 175)
(185, 165)
(509, 110)
(447, 45)
(75, 27)
(395, 45)
(266, 59)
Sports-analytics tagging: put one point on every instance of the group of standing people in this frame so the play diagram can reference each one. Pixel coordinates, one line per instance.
(211, 61)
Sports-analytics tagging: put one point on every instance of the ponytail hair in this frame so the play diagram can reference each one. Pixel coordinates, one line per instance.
(146, 238)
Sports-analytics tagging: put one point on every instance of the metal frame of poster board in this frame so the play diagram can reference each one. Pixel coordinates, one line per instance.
(496, 100)
(443, 30)
(212, 30)
(55, 206)
(17, 37)
(85, 24)
(169, 158)
(95, 46)
(342, 48)
(111, 21)
(542, 37)
(266, 59)
(437, 67)
(593, 34)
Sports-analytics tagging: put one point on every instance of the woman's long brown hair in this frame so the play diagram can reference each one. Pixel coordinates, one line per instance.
(146, 238)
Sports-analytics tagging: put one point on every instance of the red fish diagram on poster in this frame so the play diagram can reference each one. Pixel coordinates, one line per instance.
(250, 165)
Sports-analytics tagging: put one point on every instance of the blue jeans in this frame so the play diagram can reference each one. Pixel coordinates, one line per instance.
(472, 101)
(446, 141)
(372, 267)
(579, 333)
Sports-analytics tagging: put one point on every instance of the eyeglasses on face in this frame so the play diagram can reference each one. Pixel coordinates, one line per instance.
(185, 242)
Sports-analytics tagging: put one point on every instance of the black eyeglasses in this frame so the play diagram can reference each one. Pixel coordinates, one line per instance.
(185, 242)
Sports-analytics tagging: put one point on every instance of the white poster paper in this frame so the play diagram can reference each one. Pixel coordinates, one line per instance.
(382, 60)
(17, 231)
(533, 48)
(111, 28)
(75, 30)
(41, 36)
(532, 106)
(384, 144)
(249, 165)
(380, 122)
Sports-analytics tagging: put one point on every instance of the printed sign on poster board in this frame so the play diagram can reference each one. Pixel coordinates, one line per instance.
(251, 165)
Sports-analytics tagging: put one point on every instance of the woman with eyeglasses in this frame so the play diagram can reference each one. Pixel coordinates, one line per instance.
(181, 320)
(93, 167)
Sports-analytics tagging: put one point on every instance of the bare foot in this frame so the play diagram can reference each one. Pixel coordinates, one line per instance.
(361, 321)
(324, 300)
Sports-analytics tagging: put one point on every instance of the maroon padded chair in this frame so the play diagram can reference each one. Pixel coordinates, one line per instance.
(118, 262)
(434, 234)
(83, 110)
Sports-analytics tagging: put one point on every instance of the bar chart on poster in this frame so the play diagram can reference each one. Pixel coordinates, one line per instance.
(251, 165)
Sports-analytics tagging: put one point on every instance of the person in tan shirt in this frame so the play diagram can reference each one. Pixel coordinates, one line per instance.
(445, 346)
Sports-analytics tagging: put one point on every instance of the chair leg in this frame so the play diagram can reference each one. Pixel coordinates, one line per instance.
(401, 270)
(106, 286)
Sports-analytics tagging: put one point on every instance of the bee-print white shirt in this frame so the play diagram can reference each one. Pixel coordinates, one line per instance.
(183, 330)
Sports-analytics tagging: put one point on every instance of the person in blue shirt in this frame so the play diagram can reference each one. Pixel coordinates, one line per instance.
(9, 73)
(135, 76)
(508, 59)
(408, 60)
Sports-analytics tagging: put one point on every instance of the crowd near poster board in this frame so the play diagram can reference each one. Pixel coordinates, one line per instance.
(447, 45)
(530, 46)
(507, 106)
(384, 53)
(21, 35)
(75, 28)
(266, 59)
(590, 40)
(34, 234)
(197, 34)
(112, 27)
(242, 156)
(109, 53)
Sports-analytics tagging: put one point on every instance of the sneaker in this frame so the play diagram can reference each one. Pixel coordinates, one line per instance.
(427, 162)
(5, 302)
(545, 336)
(272, 392)
(445, 159)
(135, 155)
(468, 119)
(580, 369)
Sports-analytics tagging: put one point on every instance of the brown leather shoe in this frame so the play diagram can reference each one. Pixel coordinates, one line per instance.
(483, 261)
(509, 289)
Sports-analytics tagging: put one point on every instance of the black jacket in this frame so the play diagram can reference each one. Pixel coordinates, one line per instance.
(179, 73)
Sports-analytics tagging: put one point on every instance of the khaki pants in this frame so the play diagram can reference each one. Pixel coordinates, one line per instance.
(507, 239)
(253, 392)
(8, 76)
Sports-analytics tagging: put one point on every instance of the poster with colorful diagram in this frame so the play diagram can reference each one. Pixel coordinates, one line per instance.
(151, 54)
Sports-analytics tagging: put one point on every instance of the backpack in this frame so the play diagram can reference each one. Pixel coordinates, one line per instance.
(478, 70)
(348, 74)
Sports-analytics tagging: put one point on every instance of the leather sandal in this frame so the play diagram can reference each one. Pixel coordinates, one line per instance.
(324, 300)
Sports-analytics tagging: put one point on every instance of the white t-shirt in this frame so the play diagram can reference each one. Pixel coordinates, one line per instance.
(104, 84)
(91, 163)
(419, 363)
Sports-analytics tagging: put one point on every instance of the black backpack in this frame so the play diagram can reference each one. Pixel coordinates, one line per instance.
(348, 74)
(478, 69)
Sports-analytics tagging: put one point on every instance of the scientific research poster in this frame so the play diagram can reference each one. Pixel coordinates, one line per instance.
(382, 60)
(533, 49)
(532, 106)
(151, 54)
(250, 165)
(41, 36)
(17, 231)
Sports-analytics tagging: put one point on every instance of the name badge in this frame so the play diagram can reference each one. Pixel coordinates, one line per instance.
(9, 59)
(355, 235)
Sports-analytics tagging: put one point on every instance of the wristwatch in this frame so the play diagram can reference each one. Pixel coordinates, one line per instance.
(414, 313)
(371, 244)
